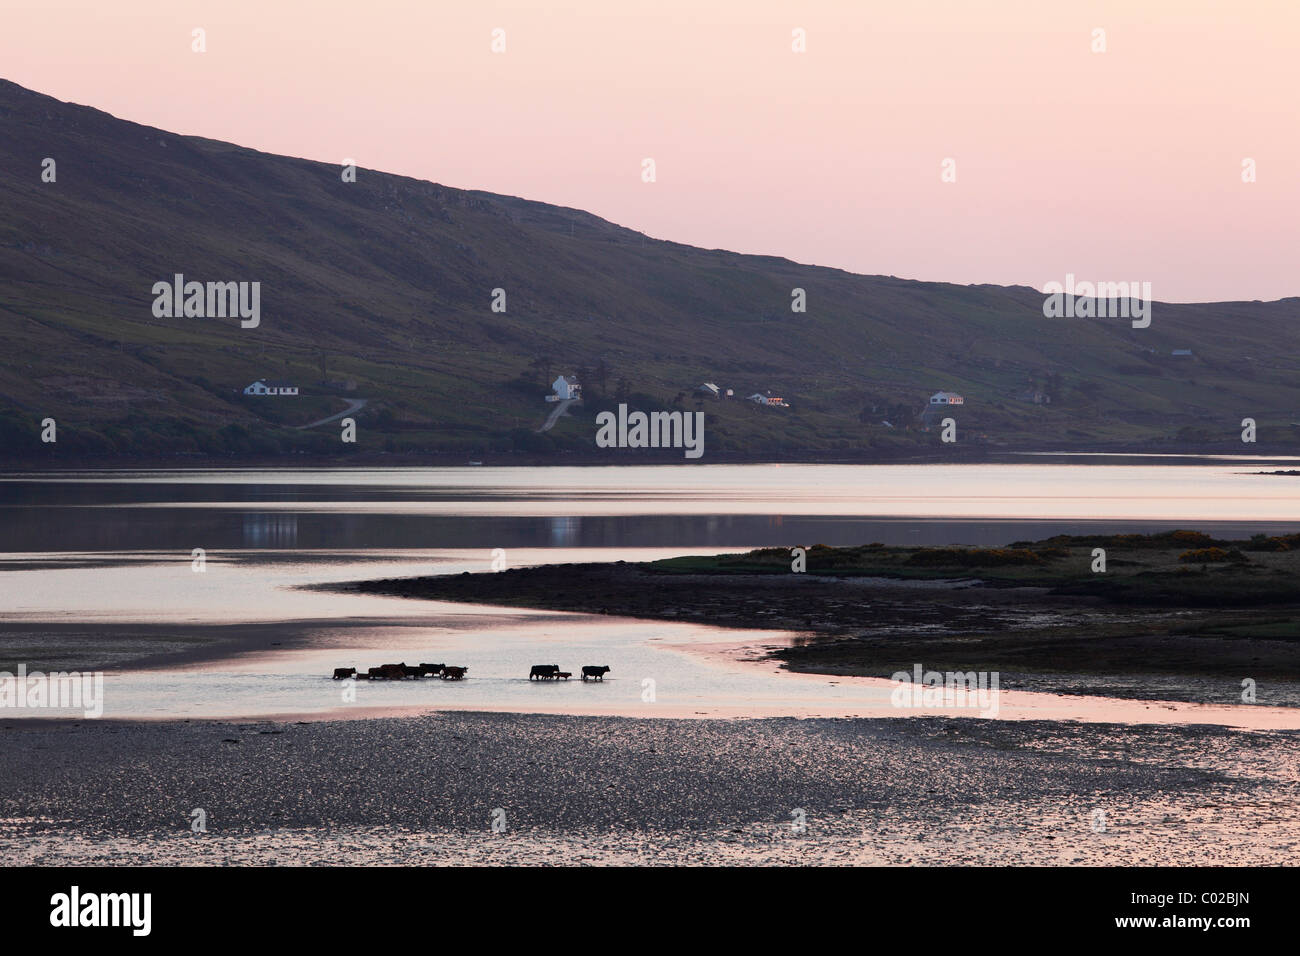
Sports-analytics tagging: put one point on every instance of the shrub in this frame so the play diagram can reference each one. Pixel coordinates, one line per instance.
(1262, 542)
(1052, 552)
(973, 557)
(1190, 537)
(1203, 556)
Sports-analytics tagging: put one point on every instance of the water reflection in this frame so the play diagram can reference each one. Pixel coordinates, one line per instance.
(718, 506)
(565, 532)
(270, 531)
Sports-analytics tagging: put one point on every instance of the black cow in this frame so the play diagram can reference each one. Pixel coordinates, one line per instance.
(343, 673)
(454, 673)
(565, 674)
(594, 673)
(543, 671)
(431, 670)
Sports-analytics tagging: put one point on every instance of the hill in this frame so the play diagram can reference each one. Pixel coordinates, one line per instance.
(382, 289)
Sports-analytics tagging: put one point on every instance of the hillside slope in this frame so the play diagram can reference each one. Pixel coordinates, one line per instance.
(382, 289)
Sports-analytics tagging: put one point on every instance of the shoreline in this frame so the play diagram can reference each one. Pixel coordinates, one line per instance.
(1279, 452)
(1183, 633)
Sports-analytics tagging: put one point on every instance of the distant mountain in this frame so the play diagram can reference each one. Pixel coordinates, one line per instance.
(382, 289)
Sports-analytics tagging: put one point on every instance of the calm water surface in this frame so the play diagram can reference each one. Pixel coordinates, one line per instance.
(113, 549)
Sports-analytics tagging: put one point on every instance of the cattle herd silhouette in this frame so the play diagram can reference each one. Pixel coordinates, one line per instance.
(553, 672)
(402, 671)
(450, 672)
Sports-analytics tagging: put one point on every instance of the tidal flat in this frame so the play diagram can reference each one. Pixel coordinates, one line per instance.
(608, 790)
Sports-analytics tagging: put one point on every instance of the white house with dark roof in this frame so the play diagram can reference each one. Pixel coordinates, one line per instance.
(566, 388)
(263, 387)
(946, 398)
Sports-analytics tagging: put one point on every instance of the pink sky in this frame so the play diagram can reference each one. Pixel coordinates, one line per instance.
(1123, 165)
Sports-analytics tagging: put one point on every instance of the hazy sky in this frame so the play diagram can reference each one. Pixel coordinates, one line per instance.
(1122, 165)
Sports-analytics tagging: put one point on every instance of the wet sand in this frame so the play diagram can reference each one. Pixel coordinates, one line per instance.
(583, 790)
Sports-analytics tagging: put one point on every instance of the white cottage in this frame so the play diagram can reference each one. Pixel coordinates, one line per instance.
(566, 387)
(946, 398)
(263, 387)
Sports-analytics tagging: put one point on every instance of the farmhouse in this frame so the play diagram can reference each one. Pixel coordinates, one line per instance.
(263, 387)
(566, 387)
(946, 398)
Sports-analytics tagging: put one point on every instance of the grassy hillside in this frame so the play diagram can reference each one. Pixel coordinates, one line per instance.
(382, 288)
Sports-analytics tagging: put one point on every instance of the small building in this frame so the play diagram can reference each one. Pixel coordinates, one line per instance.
(566, 388)
(1182, 352)
(946, 398)
(263, 387)
(711, 390)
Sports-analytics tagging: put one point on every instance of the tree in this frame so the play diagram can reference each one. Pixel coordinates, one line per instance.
(1092, 390)
(1055, 387)
(543, 364)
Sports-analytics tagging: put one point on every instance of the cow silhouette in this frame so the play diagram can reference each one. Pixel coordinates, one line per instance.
(594, 673)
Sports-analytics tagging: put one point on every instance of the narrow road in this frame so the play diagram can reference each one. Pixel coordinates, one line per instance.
(354, 405)
(560, 407)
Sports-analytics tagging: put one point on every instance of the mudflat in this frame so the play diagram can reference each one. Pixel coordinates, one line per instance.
(584, 790)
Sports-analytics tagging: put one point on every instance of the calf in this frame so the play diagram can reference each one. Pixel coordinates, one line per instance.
(454, 673)
(565, 674)
(594, 673)
(543, 671)
(343, 673)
